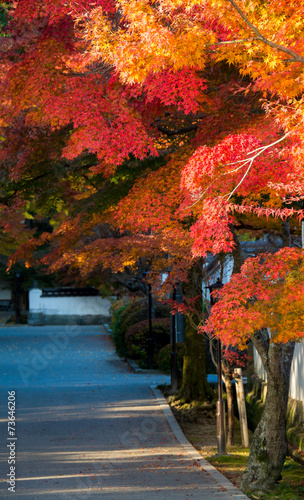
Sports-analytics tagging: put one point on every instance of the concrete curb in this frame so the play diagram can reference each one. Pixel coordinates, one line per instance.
(221, 480)
(107, 328)
(14, 325)
(135, 368)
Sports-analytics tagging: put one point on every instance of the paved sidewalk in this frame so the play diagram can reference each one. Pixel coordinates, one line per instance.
(88, 428)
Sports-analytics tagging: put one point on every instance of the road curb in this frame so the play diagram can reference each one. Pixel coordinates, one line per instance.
(218, 477)
(135, 368)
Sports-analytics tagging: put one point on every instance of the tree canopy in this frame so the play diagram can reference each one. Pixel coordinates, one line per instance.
(108, 80)
(161, 131)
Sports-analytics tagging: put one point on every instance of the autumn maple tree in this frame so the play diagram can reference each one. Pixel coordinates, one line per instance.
(47, 75)
(215, 89)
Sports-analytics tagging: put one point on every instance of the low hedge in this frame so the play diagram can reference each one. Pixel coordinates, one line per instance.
(138, 311)
(118, 338)
(164, 358)
(126, 315)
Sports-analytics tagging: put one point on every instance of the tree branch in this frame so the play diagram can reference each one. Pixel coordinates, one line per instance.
(132, 287)
(236, 253)
(296, 57)
(241, 40)
(5, 199)
(178, 131)
(256, 152)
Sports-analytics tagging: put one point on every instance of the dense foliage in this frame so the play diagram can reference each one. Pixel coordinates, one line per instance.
(212, 93)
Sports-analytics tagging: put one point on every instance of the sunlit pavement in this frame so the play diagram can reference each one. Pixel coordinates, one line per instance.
(86, 427)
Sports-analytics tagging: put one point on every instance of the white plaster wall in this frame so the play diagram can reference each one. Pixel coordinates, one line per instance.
(68, 305)
(212, 278)
(227, 269)
(296, 389)
(35, 304)
(258, 366)
(297, 373)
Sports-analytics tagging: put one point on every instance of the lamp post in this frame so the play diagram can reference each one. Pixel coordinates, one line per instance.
(150, 337)
(220, 408)
(174, 376)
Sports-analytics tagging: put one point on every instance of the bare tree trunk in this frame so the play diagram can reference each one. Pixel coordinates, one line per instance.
(194, 385)
(269, 446)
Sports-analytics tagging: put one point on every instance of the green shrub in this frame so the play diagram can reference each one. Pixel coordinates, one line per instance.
(136, 311)
(136, 337)
(164, 358)
(124, 315)
(117, 335)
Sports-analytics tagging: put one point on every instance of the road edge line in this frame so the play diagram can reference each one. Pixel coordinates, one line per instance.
(220, 479)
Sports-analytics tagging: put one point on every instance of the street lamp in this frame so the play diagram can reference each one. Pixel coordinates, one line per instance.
(174, 375)
(220, 408)
(150, 338)
(17, 276)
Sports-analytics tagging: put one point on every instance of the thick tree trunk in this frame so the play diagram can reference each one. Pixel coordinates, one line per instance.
(269, 446)
(194, 386)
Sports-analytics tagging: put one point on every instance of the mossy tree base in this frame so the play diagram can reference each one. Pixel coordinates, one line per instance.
(194, 386)
(269, 445)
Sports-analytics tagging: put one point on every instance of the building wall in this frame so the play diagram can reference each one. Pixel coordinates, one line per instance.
(215, 273)
(55, 309)
(297, 373)
(5, 294)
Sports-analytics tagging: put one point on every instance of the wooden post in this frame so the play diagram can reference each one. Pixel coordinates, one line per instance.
(240, 395)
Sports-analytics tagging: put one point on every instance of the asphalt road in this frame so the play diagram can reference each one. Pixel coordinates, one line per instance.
(80, 425)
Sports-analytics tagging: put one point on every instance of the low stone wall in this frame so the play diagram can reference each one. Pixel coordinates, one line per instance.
(255, 401)
(295, 427)
(41, 319)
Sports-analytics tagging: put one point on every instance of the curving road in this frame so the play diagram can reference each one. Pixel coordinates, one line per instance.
(86, 427)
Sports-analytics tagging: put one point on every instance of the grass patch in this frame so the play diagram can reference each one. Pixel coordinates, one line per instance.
(199, 426)
(292, 485)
